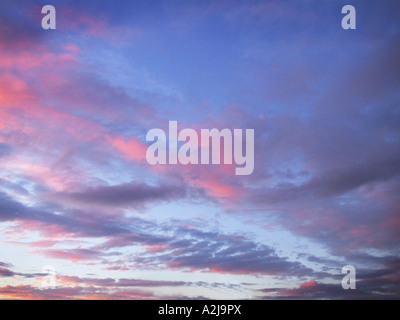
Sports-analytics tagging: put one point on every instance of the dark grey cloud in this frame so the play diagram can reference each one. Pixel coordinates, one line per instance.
(5, 265)
(213, 252)
(330, 171)
(185, 248)
(10, 209)
(334, 182)
(130, 194)
(372, 282)
(6, 272)
(381, 289)
(76, 222)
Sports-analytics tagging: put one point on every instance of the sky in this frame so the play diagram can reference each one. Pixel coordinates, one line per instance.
(76, 190)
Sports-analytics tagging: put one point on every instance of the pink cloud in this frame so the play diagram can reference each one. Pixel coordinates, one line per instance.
(73, 255)
(311, 283)
(130, 147)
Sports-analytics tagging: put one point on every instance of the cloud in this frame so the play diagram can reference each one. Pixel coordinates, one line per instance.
(130, 194)
(378, 283)
(335, 182)
(73, 287)
(28, 292)
(211, 252)
(185, 249)
(70, 222)
(74, 255)
(6, 273)
(5, 264)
